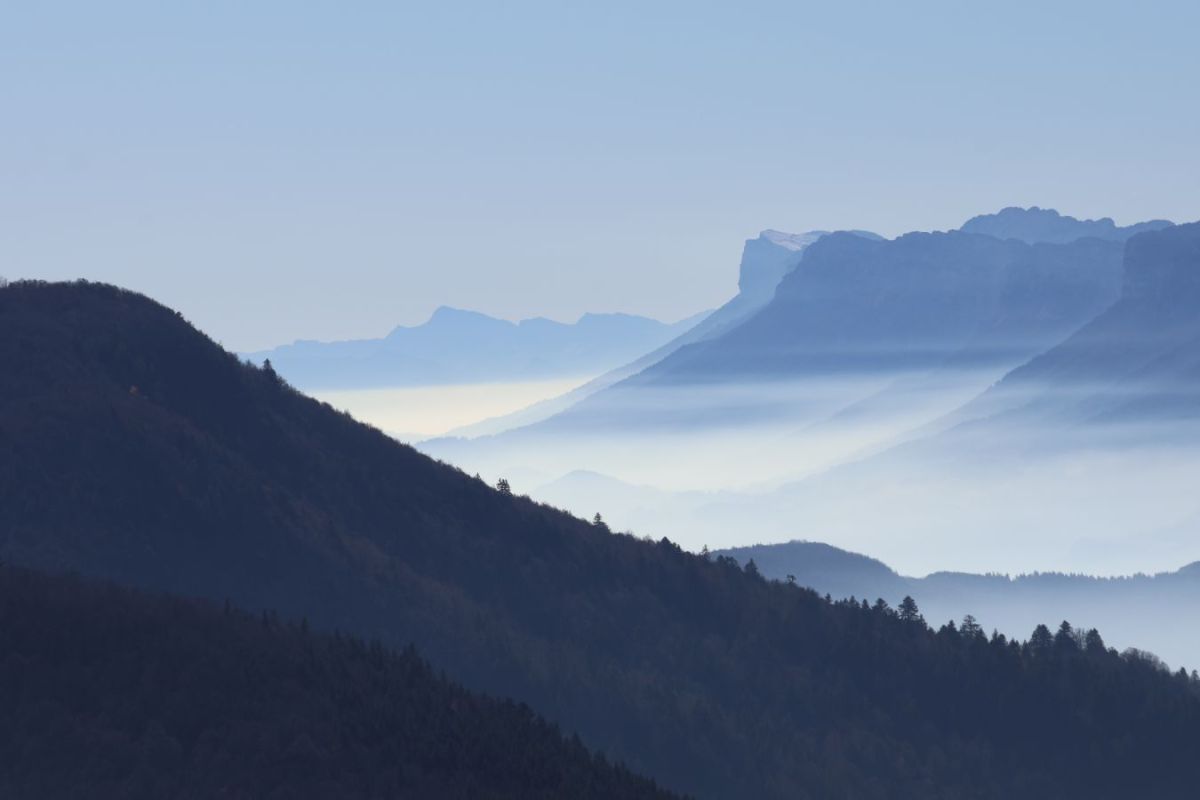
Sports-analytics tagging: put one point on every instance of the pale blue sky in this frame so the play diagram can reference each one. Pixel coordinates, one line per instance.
(328, 170)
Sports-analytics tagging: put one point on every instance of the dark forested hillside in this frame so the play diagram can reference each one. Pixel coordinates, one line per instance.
(133, 448)
(106, 692)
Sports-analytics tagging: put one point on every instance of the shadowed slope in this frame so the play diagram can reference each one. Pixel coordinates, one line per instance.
(132, 447)
(111, 693)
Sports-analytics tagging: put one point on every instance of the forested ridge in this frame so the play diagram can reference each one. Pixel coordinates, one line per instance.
(135, 449)
(108, 692)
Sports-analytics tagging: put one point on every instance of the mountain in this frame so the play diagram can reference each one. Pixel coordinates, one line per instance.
(862, 341)
(132, 448)
(861, 313)
(1072, 446)
(852, 304)
(1138, 361)
(856, 305)
(1149, 610)
(457, 346)
(109, 692)
(766, 259)
(1079, 456)
(1033, 225)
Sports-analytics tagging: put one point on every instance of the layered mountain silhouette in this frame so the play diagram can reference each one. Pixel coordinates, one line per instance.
(766, 259)
(1080, 454)
(457, 346)
(132, 448)
(999, 291)
(1149, 610)
(109, 692)
(1072, 448)
(875, 337)
(857, 307)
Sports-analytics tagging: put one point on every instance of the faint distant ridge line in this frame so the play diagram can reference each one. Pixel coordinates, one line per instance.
(1045, 225)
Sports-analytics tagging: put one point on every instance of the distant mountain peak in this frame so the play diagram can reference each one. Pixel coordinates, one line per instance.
(1046, 225)
(770, 256)
(458, 346)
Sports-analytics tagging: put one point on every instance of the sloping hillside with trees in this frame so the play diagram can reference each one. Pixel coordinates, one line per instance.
(135, 449)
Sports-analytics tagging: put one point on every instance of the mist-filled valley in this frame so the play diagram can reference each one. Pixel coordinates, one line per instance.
(941, 402)
(1016, 396)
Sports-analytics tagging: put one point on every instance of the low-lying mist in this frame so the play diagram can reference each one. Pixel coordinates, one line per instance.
(419, 412)
(882, 467)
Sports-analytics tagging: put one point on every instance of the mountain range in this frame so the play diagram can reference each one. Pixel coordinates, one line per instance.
(863, 342)
(133, 449)
(765, 261)
(456, 346)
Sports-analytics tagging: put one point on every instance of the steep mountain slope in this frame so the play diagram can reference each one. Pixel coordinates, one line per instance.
(1148, 611)
(457, 346)
(858, 314)
(111, 693)
(766, 259)
(951, 303)
(1032, 225)
(1139, 361)
(133, 448)
(856, 305)
(863, 341)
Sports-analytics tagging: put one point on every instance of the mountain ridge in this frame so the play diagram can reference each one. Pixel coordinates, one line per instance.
(462, 346)
(1035, 224)
(132, 448)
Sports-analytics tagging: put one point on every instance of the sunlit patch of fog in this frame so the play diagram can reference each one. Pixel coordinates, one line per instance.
(413, 413)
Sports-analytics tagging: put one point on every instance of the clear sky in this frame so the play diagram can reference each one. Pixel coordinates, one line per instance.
(282, 170)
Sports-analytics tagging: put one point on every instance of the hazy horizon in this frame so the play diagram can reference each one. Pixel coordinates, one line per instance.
(307, 172)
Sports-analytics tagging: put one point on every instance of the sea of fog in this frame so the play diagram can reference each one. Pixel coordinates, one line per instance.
(889, 471)
(413, 413)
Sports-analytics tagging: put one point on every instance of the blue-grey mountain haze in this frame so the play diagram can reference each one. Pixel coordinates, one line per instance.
(837, 411)
(281, 171)
(461, 347)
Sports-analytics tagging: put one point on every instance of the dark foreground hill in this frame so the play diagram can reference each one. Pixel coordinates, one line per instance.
(133, 448)
(110, 693)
